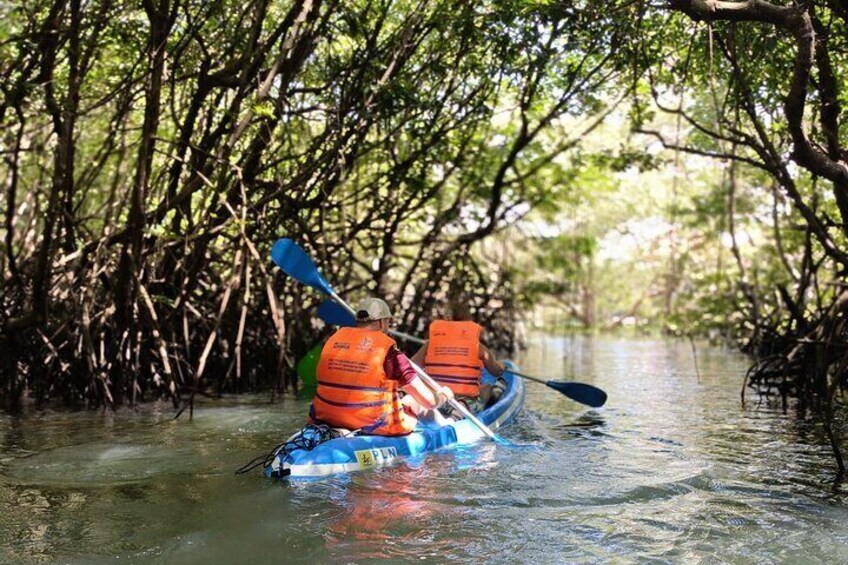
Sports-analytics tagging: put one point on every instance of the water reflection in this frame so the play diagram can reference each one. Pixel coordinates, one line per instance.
(378, 513)
(408, 510)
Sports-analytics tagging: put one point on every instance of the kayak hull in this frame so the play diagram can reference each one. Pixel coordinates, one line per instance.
(347, 455)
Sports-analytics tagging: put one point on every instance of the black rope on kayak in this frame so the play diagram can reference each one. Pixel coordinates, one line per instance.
(299, 441)
(264, 460)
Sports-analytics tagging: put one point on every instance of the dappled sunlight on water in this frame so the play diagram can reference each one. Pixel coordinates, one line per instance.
(672, 469)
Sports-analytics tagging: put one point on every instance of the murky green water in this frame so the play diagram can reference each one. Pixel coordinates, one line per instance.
(671, 470)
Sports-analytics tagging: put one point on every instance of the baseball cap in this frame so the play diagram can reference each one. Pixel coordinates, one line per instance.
(372, 309)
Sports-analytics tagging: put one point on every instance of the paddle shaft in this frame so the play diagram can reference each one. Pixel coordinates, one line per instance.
(528, 377)
(457, 405)
(407, 337)
(428, 380)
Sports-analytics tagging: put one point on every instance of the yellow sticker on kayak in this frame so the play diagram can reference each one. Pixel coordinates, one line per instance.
(372, 457)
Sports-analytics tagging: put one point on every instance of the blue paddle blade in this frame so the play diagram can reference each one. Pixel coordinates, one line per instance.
(580, 392)
(334, 315)
(296, 263)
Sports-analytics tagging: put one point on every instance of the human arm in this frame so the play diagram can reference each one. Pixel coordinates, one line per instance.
(425, 396)
(492, 365)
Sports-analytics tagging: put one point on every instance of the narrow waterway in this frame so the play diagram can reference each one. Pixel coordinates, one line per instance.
(673, 469)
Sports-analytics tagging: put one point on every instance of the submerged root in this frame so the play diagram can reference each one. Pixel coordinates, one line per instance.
(809, 368)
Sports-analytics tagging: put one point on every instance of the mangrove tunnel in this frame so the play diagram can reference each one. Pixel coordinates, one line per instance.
(606, 168)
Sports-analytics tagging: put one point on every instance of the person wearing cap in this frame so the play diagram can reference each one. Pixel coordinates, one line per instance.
(362, 375)
(454, 356)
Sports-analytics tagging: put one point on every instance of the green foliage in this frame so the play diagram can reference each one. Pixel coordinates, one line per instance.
(511, 151)
(393, 139)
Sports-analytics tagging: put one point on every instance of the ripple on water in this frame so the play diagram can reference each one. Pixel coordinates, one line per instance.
(671, 471)
(97, 464)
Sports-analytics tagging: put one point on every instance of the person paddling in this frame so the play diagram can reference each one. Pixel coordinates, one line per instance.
(454, 356)
(362, 375)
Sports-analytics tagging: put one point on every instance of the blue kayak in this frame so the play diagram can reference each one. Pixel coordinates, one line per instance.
(355, 453)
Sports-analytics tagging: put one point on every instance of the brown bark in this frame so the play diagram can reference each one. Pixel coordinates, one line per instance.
(64, 121)
(160, 16)
(796, 21)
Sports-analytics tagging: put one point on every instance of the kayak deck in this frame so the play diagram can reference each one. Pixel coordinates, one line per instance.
(349, 454)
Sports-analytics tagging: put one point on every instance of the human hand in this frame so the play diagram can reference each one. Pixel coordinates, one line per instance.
(445, 395)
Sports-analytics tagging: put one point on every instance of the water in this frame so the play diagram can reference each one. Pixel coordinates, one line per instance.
(672, 470)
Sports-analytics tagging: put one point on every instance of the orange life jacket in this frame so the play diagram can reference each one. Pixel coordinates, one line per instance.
(453, 356)
(353, 391)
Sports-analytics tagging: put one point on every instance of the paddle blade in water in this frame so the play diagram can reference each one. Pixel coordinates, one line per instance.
(580, 392)
(296, 263)
(334, 315)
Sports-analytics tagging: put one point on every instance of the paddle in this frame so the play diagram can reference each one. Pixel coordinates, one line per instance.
(578, 392)
(297, 264)
(332, 313)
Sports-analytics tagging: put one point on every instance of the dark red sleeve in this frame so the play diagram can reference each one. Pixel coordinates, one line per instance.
(398, 368)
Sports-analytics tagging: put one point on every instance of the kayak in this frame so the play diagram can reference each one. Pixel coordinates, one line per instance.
(360, 452)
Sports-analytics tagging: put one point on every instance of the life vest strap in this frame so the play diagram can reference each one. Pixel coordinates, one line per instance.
(351, 387)
(472, 367)
(351, 404)
(454, 378)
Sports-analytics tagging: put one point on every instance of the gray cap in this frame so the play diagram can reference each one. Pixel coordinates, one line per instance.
(372, 309)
